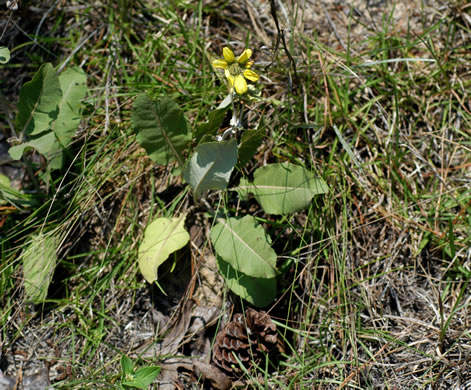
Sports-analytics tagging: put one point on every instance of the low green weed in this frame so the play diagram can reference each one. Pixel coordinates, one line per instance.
(139, 378)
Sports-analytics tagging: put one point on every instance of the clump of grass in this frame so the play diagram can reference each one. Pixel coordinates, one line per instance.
(375, 274)
(389, 148)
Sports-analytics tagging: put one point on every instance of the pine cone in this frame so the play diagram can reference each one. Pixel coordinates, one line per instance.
(250, 338)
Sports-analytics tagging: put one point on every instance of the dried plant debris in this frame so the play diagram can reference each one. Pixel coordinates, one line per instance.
(184, 373)
(188, 329)
(246, 339)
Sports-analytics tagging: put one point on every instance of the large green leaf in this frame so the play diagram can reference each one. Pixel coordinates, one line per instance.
(161, 128)
(49, 133)
(210, 166)
(39, 261)
(258, 291)
(44, 143)
(39, 102)
(73, 83)
(283, 188)
(162, 237)
(244, 245)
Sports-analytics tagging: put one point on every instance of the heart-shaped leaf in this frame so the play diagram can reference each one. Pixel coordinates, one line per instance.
(161, 128)
(245, 246)
(283, 188)
(210, 166)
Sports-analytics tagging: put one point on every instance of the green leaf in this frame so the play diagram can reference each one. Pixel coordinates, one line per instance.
(245, 246)
(283, 188)
(249, 143)
(73, 83)
(39, 102)
(162, 237)
(210, 166)
(145, 376)
(39, 261)
(49, 112)
(142, 378)
(126, 365)
(258, 291)
(215, 119)
(161, 128)
(44, 144)
(4, 55)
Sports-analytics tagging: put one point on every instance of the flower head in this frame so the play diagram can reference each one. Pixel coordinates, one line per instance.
(237, 69)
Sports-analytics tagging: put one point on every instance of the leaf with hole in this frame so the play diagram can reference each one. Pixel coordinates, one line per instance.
(210, 166)
(161, 128)
(162, 237)
(283, 188)
(245, 246)
(4, 55)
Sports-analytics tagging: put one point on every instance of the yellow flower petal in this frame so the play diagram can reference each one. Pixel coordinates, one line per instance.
(244, 57)
(231, 80)
(219, 64)
(248, 65)
(251, 75)
(228, 55)
(240, 84)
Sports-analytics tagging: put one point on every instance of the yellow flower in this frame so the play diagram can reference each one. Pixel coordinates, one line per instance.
(237, 69)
